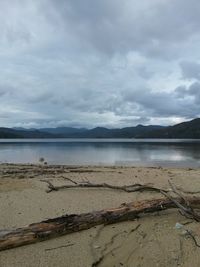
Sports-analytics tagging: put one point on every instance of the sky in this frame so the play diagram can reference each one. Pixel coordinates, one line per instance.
(108, 63)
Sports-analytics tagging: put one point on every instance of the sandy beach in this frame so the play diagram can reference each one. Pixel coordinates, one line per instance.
(152, 240)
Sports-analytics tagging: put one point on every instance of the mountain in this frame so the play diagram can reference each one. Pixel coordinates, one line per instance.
(63, 130)
(189, 129)
(9, 133)
(24, 129)
(128, 132)
(13, 133)
(68, 132)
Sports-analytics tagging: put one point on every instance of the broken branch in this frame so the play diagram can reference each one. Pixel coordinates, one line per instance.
(126, 188)
(183, 205)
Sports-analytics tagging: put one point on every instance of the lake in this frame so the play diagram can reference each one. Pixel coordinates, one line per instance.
(138, 152)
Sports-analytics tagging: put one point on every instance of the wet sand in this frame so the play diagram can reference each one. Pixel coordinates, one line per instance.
(152, 240)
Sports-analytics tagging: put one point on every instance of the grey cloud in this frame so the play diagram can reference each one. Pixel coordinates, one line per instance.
(104, 62)
(155, 28)
(134, 120)
(145, 73)
(168, 104)
(192, 91)
(40, 98)
(13, 35)
(181, 91)
(190, 70)
(2, 93)
(6, 90)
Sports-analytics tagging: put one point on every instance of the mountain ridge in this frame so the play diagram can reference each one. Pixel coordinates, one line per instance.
(187, 129)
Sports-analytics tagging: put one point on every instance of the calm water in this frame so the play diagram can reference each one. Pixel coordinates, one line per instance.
(146, 152)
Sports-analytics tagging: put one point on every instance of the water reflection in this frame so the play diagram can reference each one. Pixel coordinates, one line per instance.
(103, 152)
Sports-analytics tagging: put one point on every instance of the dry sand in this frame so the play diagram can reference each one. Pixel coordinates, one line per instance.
(149, 241)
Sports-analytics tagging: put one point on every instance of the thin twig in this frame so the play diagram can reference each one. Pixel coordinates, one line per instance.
(185, 207)
(178, 193)
(103, 254)
(50, 186)
(193, 238)
(68, 179)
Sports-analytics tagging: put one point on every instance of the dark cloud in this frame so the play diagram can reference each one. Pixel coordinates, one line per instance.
(104, 62)
(182, 102)
(192, 91)
(155, 28)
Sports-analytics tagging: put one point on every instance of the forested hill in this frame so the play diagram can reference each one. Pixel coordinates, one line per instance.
(190, 129)
(67, 132)
(15, 133)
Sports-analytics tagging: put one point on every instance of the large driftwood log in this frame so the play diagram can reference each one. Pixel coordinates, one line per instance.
(76, 222)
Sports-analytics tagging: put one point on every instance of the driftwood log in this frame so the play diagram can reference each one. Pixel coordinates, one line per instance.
(51, 228)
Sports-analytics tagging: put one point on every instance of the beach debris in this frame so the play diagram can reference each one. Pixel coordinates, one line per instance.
(41, 160)
(184, 232)
(67, 224)
(190, 234)
(86, 184)
(178, 225)
(96, 247)
(187, 222)
(68, 179)
(182, 204)
(106, 251)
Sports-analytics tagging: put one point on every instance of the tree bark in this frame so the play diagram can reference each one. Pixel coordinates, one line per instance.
(66, 224)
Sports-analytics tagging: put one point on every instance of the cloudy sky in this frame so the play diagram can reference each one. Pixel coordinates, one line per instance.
(93, 63)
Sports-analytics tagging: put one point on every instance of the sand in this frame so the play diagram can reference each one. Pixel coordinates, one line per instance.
(151, 241)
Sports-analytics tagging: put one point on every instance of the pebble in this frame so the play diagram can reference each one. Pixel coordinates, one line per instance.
(178, 225)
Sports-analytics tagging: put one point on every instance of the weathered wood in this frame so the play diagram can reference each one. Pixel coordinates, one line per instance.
(184, 205)
(66, 224)
(126, 188)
